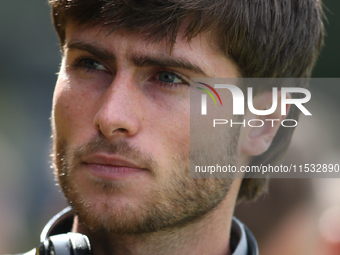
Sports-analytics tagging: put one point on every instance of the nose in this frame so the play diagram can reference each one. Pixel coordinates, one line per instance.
(119, 112)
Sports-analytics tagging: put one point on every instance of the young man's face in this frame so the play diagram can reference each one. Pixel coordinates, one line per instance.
(121, 113)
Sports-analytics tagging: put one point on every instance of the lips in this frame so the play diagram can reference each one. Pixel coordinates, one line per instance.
(110, 160)
(111, 166)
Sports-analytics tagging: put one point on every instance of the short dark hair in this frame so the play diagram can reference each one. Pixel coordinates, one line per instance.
(265, 38)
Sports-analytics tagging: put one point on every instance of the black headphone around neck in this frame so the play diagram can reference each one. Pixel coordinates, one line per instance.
(55, 239)
(65, 244)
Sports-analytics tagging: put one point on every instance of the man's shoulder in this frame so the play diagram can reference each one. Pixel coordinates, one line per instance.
(31, 252)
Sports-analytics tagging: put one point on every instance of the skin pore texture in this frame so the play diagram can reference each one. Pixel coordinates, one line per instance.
(121, 143)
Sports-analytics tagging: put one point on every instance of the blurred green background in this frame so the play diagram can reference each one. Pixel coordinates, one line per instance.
(29, 60)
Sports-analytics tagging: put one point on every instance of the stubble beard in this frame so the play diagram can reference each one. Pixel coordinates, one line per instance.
(180, 201)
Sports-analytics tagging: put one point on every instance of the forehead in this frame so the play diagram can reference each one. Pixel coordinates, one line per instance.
(131, 40)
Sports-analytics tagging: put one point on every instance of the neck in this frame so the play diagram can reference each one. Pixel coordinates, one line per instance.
(208, 235)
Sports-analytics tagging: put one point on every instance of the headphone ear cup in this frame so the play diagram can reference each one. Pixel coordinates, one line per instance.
(80, 244)
(66, 244)
(43, 248)
(60, 245)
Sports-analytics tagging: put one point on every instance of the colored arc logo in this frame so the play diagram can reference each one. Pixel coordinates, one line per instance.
(208, 92)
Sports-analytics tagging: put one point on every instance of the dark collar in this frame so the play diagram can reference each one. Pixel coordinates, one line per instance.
(242, 241)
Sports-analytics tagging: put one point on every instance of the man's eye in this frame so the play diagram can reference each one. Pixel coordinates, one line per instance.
(92, 64)
(168, 77)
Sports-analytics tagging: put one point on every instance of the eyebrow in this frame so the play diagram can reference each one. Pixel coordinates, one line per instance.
(94, 50)
(137, 59)
(166, 61)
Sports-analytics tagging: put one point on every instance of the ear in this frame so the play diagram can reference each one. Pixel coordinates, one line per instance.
(256, 140)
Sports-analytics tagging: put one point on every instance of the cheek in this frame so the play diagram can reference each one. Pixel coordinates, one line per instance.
(69, 106)
(169, 128)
